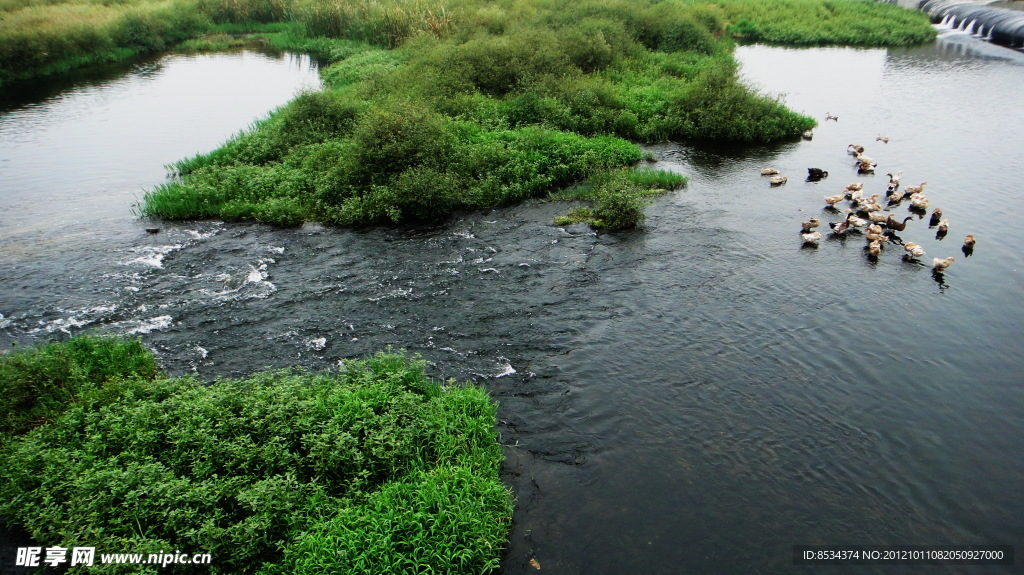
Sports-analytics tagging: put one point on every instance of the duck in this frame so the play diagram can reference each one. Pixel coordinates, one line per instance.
(816, 173)
(861, 158)
(918, 201)
(940, 264)
(875, 229)
(854, 196)
(936, 217)
(891, 188)
(811, 237)
(810, 224)
(831, 117)
(833, 200)
(808, 135)
(878, 217)
(969, 242)
(892, 224)
(881, 138)
(874, 248)
(876, 238)
(866, 168)
(869, 204)
(855, 149)
(855, 186)
(915, 189)
(913, 249)
(841, 227)
(857, 222)
(769, 171)
(778, 180)
(895, 178)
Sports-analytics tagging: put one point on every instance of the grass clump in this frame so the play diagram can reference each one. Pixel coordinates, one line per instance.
(39, 383)
(373, 469)
(617, 197)
(825, 22)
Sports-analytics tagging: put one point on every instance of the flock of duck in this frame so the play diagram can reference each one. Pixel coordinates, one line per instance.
(868, 216)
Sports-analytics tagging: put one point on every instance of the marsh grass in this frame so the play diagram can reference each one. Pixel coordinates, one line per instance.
(357, 471)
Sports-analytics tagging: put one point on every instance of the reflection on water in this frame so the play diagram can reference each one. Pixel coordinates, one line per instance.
(695, 397)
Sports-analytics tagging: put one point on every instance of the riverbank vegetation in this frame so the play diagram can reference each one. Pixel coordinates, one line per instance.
(435, 106)
(374, 468)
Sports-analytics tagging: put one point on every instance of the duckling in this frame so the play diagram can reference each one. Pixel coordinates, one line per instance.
(810, 224)
(811, 237)
(892, 224)
(831, 117)
(778, 180)
(941, 264)
(936, 216)
(855, 149)
(913, 249)
(769, 171)
(919, 201)
(881, 138)
(874, 248)
(915, 189)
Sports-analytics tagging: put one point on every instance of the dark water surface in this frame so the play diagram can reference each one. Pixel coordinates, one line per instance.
(695, 397)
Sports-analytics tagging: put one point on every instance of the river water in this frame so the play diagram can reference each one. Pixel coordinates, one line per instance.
(695, 397)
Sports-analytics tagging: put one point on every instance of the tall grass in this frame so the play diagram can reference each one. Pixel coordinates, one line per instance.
(40, 383)
(373, 469)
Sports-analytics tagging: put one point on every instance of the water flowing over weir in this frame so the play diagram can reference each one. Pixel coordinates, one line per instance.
(999, 25)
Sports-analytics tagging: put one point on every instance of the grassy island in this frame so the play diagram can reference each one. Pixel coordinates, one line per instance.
(432, 106)
(372, 469)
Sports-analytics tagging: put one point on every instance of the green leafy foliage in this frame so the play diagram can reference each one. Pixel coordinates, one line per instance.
(39, 383)
(277, 472)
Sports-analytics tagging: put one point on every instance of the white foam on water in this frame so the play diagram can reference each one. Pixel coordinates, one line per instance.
(152, 256)
(147, 325)
(317, 344)
(506, 369)
(202, 352)
(75, 319)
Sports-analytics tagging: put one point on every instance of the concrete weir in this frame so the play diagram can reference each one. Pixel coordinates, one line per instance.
(999, 25)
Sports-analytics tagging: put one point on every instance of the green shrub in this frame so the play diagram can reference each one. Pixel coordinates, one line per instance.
(276, 473)
(40, 383)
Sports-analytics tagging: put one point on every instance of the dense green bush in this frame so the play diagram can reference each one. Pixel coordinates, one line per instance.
(276, 473)
(39, 383)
